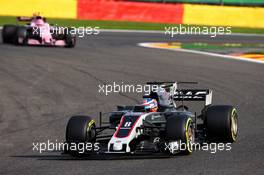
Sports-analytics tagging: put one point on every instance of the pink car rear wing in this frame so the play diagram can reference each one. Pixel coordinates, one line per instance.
(24, 18)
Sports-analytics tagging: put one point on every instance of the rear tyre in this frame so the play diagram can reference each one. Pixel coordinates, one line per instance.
(8, 33)
(80, 129)
(180, 128)
(221, 123)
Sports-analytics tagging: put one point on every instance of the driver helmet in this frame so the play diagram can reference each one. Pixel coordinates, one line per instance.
(39, 21)
(150, 104)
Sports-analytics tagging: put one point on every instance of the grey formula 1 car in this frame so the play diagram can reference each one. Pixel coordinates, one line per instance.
(132, 129)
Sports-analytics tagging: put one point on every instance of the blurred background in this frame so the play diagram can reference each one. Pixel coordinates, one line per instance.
(216, 2)
(243, 15)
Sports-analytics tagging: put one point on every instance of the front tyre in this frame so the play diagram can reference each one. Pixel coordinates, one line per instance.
(221, 122)
(70, 39)
(80, 129)
(180, 134)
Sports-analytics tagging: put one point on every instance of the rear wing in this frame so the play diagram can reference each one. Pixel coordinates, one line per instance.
(179, 94)
(24, 19)
(194, 95)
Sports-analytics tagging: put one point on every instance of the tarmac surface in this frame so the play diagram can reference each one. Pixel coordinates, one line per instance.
(41, 87)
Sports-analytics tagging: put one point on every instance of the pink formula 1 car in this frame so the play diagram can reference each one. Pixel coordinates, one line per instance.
(38, 32)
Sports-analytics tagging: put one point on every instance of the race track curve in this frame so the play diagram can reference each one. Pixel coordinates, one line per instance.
(41, 87)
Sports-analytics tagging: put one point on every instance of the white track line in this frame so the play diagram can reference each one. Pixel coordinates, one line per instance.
(204, 53)
(185, 50)
(163, 32)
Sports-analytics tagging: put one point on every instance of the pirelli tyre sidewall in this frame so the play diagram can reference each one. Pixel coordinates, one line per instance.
(180, 128)
(80, 129)
(221, 123)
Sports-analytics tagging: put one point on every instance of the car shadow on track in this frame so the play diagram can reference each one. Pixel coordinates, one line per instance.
(64, 157)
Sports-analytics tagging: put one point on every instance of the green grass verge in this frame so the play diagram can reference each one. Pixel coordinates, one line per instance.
(119, 25)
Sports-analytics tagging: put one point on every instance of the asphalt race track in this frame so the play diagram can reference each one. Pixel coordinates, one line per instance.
(41, 87)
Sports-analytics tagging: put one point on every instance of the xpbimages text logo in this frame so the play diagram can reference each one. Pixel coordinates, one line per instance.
(57, 30)
(62, 146)
(212, 31)
(211, 147)
(146, 89)
(126, 88)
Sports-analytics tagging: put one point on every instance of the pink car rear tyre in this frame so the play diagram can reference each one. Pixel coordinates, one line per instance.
(8, 33)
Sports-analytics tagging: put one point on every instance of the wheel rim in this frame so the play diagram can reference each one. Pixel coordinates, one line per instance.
(234, 125)
(91, 133)
(189, 136)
